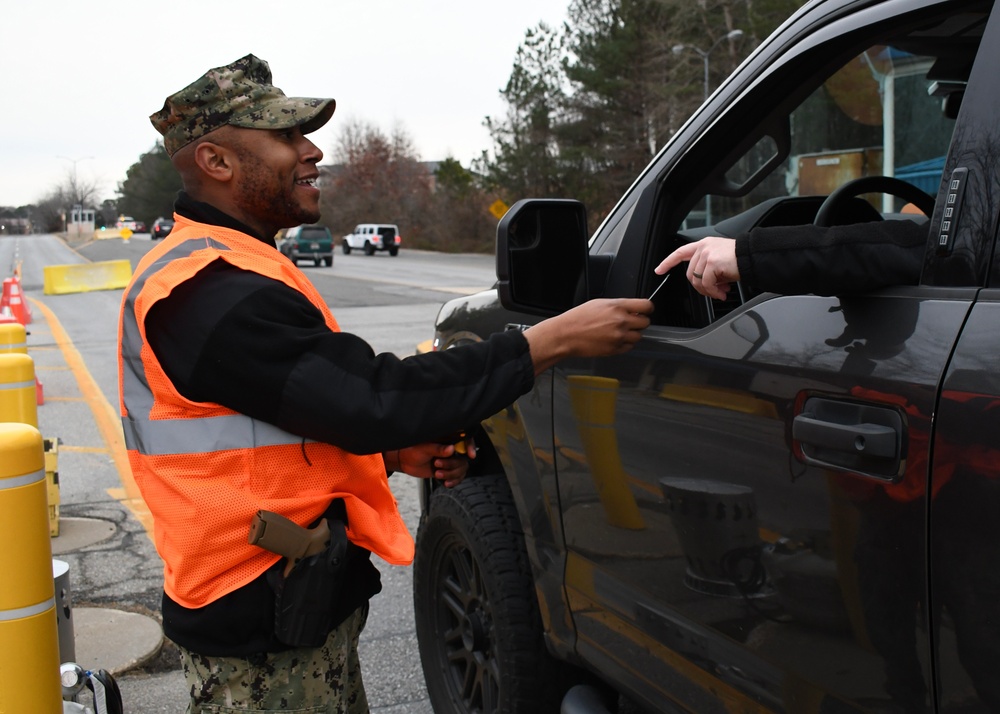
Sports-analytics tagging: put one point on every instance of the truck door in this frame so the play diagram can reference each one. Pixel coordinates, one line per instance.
(745, 495)
(964, 533)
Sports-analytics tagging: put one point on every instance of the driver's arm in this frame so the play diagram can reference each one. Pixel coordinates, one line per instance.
(806, 259)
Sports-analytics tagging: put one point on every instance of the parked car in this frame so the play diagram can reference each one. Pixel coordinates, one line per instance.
(313, 243)
(126, 222)
(161, 228)
(140, 227)
(772, 503)
(371, 237)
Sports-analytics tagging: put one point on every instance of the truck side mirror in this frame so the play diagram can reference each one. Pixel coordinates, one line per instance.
(542, 256)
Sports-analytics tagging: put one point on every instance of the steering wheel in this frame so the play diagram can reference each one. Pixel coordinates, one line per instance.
(835, 203)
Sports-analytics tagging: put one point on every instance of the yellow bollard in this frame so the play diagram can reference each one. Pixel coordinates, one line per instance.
(593, 400)
(18, 395)
(29, 657)
(13, 338)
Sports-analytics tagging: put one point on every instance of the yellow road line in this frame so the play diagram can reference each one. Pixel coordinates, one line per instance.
(83, 449)
(107, 419)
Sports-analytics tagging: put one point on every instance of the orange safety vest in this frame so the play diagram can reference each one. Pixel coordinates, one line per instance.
(204, 470)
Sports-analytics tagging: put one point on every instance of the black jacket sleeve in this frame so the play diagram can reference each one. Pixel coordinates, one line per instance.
(795, 260)
(261, 348)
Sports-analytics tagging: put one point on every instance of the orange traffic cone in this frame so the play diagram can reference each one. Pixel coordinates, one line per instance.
(20, 290)
(13, 300)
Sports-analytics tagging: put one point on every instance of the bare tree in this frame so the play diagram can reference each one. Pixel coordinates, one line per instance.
(377, 178)
(80, 191)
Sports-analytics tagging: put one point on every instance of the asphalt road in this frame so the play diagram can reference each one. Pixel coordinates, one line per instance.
(389, 301)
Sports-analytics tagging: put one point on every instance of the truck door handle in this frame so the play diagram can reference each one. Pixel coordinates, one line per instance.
(868, 439)
(861, 437)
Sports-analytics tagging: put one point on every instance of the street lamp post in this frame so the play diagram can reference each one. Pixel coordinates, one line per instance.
(75, 162)
(678, 49)
(731, 35)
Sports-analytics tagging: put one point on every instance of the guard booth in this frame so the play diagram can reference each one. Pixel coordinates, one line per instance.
(80, 223)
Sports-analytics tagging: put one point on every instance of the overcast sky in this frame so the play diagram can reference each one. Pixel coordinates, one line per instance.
(80, 79)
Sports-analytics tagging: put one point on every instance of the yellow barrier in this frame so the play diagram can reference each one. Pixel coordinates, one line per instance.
(102, 233)
(734, 400)
(29, 658)
(123, 233)
(13, 338)
(593, 401)
(83, 277)
(18, 396)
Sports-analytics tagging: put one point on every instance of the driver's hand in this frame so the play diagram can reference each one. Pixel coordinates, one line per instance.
(712, 267)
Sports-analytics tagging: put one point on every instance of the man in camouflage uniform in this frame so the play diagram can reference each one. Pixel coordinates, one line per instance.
(239, 393)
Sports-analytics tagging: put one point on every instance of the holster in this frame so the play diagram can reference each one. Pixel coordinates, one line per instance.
(304, 602)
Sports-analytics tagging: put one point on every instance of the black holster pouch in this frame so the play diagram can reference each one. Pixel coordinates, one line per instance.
(305, 601)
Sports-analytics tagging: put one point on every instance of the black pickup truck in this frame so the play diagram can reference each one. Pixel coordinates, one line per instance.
(773, 503)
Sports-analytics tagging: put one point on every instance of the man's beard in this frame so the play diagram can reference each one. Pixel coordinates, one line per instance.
(270, 205)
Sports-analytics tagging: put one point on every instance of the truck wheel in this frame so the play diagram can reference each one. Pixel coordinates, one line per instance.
(478, 626)
(369, 248)
(346, 247)
(394, 251)
(328, 260)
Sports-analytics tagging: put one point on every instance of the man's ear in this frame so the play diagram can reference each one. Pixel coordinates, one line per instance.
(215, 161)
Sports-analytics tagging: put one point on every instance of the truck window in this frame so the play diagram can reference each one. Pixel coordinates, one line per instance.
(881, 114)
(888, 110)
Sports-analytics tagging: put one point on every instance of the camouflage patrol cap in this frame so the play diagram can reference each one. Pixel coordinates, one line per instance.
(239, 94)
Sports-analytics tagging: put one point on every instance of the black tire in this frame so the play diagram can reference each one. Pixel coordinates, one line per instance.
(328, 260)
(369, 248)
(346, 248)
(477, 620)
(394, 251)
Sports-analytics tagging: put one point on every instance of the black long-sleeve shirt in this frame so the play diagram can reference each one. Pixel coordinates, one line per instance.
(796, 260)
(259, 347)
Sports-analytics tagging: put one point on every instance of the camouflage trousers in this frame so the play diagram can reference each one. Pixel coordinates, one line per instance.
(324, 680)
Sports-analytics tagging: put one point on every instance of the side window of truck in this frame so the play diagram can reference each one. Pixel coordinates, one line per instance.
(887, 110)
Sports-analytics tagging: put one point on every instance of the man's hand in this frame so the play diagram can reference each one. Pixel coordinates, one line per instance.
(712, 267)
(431, 460)
(596, 328)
